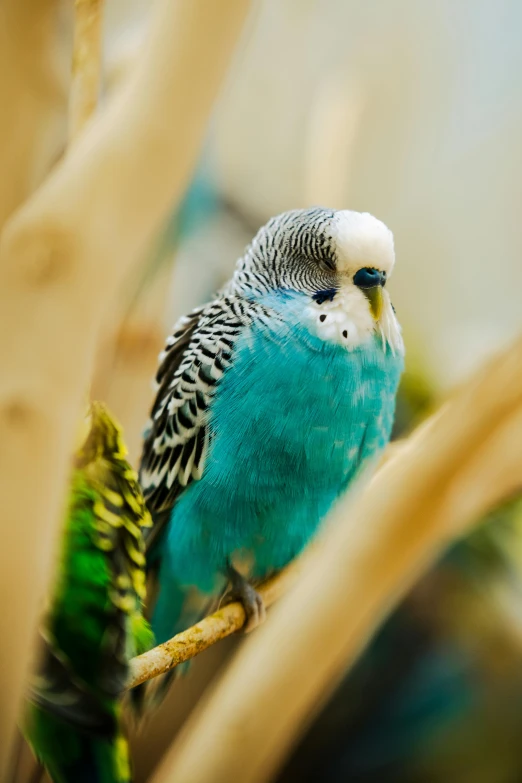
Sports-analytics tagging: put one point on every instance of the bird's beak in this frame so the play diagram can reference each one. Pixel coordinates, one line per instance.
(376, 299)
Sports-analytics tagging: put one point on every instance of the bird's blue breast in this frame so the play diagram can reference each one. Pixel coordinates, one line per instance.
(292, 421)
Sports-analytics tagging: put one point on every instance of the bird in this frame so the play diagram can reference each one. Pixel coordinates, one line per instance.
(271, 399)
(95, 621)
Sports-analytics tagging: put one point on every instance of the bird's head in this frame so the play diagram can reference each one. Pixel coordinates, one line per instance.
(341, 260)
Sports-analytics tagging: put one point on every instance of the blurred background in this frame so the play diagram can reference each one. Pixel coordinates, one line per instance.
(411, 110)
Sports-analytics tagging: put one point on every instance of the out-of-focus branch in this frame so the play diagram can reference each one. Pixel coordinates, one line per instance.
(62, 258)
(468, 457)
(87, 63)
(130, 363)
(127, 359)
(211, 629)
(32, 97)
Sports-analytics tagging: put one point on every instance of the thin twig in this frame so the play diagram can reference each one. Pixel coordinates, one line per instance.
(86, 65)
(211, 629)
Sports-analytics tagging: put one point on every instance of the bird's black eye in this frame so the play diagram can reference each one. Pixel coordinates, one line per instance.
(368, 277)
(329, 262)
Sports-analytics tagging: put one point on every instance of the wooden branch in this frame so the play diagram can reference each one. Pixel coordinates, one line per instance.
(211, 629)
(32, 96)
(127, 358)
(378, 543)
(87, 64)
(62, 258)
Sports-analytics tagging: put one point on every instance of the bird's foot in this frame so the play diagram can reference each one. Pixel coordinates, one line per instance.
(252, 602)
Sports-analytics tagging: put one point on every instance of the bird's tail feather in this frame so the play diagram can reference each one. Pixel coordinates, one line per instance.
(71, 755)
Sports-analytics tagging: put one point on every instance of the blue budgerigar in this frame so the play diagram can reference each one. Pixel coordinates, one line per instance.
(270, 400)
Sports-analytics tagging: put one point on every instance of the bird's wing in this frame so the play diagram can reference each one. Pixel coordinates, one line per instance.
(195, 358)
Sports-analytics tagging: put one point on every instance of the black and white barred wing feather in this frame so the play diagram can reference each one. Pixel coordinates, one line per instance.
(194, 360)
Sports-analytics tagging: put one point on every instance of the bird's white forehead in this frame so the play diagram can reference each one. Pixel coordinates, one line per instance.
(361, 240)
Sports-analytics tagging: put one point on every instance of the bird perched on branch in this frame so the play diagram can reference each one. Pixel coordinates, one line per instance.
(95, 623)
(270, 400)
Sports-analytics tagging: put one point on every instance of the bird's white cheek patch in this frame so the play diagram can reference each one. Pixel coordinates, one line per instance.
(346, 320)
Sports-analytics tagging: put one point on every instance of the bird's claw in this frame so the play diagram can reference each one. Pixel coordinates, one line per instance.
(253, 603)
(254, 607)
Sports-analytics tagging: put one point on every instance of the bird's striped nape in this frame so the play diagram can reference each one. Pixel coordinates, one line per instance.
(288, 253)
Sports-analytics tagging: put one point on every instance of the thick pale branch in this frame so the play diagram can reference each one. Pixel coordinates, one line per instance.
(127, 358)
(87, 63)
(32, 97)
(62, 258)
(453, 469)
(211, 629)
